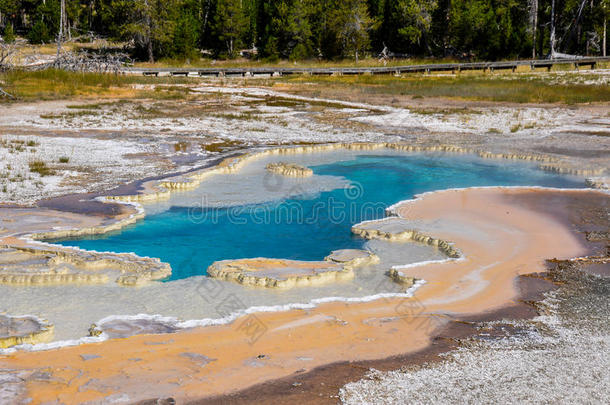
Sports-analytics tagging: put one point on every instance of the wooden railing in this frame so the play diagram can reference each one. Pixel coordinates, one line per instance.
(428, 68)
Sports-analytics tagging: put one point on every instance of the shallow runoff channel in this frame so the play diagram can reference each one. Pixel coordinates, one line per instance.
(254, 213)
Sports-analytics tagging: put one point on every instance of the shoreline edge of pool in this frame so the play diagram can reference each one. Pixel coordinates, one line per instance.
(503, 232)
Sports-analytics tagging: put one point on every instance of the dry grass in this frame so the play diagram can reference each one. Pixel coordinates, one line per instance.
(40, 167)
(502, 88)
(221, 146)
(520, 88)
(181, 146)
(54, 84)
(18, 145)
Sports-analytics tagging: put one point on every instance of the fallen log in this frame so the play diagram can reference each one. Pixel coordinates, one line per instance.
(5, 94)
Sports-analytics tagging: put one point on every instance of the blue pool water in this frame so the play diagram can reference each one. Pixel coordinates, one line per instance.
(308, 227)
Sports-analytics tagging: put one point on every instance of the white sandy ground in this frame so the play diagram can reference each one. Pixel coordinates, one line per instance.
(595, 77)
(114, 145)
(131, 147)
(553, 361)
(270, 123)
(517, 122)
(512, 122)
(97, 163)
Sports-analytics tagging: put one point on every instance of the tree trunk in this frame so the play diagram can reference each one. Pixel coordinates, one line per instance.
(604, 41)
(205, 17)
(534, 13)
(60, 35)
(90, 15)
(552, 36)
(149, 44)
(151, 55)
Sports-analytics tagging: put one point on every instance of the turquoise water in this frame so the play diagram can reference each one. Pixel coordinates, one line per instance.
(308, 227)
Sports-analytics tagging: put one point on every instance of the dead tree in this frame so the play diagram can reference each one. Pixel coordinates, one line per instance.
(534, 24)
(206, 14)
(571, 28)
(7, 53)
(5, 94)
(149, 32)
(604, 39)
(62, 23)
(86, 62)
(552, 36)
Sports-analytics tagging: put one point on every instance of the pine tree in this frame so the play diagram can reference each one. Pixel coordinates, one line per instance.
(408, 22)
(296, 29)
(9, 34)
(352, 23)
(186, 37)
(288, 30)
(230, 24)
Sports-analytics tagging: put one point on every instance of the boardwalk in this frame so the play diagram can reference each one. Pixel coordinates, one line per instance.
(428, 68)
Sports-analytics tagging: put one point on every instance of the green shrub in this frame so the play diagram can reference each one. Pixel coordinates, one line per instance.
(299, 52)
(39, 33)
(185, 38)
(271, 52)
(9, 34)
